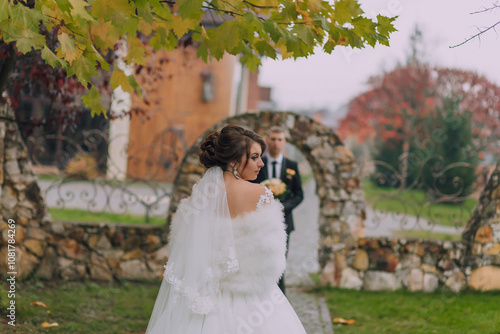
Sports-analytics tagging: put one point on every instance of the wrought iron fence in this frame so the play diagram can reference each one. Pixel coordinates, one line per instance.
(420, 194)
(84, 175)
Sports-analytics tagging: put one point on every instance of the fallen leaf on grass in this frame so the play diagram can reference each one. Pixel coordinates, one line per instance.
(343, 321)
(39, 304)
(46, 324)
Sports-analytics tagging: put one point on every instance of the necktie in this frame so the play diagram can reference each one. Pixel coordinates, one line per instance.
(274, 168)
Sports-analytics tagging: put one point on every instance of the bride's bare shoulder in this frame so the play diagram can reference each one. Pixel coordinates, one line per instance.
(246, 198)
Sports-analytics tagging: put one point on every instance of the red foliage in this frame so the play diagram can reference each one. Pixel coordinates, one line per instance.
(32, 79)
(399, 102)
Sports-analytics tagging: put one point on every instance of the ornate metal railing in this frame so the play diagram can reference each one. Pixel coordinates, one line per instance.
(84, 174)
(420, 194)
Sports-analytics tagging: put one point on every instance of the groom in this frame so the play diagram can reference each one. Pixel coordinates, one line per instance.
(277, 166)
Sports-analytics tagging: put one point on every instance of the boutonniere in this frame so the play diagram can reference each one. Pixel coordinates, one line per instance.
(289, 173)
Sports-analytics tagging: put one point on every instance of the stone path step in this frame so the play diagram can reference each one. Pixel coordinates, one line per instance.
(312, 311)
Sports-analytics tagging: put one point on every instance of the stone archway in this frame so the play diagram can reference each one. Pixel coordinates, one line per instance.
(341, 199)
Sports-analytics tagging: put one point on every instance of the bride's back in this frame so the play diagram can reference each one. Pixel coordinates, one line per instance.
(242, 196)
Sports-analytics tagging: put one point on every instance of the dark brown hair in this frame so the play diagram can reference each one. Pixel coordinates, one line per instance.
(228, 145)
(275, 129)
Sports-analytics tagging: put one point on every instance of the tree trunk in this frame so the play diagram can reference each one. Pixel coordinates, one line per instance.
(7, 66)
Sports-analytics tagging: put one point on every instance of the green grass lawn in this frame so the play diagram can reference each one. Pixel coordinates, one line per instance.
(428, 235)
(125, 309)
(414, 313)
(415, 202)
(84, 307)
(86, 216)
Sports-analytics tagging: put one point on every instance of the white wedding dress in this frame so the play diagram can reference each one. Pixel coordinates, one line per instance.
(243, 298)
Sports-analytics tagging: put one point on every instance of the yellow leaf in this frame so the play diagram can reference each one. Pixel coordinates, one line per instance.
(39, 304)
(181, 26)
(304, 13)
(204, 32)
(343, 321)
(101, 8)
(314, 5)
(67, 49)
(144, 27)
(118, 78)
(46, 324)
(136, 53)
(281, 45)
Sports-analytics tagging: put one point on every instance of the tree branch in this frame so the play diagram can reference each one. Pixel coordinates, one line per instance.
(476, 35)
(486, 9)
(257, 6)
(495, 6)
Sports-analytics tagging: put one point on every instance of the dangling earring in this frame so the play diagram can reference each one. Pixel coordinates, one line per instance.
(235, 172)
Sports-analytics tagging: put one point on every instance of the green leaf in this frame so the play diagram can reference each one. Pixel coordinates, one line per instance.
(26, 40)
(225, 37)
(345, 10)
(305, 33)
(289, 11)
(5, 11)
(252, 61)
(83, 68)
(385, 25)
(363, 26)
(264, 48)
(80, 10)
(118, 78)
(97, 56)
(162, 11)
(159, 38)
(202, 53)
(51, 59)
(329, 46)
(273, 30)
(135, 85)
(93, 101)
(321, 20)
(27, 17)
(64, 5)
(141, 3)
(190, 9)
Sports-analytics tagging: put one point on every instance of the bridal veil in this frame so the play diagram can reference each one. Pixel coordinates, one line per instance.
(202, 252)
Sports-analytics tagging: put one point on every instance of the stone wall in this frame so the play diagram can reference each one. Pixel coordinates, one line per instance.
(415, 265)
(20, 199)
(106, 251)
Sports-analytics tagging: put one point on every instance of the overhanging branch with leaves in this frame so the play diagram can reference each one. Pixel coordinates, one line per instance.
(88, 29)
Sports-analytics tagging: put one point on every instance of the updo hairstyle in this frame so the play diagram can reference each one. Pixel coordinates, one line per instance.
(228, 145)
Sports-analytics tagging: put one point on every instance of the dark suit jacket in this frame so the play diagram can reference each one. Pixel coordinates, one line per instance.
(294, 195)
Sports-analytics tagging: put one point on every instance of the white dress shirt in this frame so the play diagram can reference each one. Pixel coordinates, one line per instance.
(269, 166)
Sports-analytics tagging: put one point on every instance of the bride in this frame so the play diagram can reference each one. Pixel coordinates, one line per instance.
(227, 249)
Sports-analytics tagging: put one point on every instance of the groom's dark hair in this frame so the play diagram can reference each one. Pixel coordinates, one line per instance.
(275, 129)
